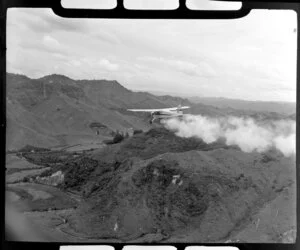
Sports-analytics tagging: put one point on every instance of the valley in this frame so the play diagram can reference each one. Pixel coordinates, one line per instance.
(69, 181)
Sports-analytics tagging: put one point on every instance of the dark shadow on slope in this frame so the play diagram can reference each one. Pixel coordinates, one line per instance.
(155, 142)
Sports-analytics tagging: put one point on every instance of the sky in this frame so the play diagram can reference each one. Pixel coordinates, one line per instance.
(252, 58)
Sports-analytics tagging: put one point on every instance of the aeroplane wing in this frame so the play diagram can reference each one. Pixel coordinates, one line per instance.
(179, 108)
(149, 110)
(155, 110)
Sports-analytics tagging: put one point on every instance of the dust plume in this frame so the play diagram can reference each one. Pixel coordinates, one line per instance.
(249, 134)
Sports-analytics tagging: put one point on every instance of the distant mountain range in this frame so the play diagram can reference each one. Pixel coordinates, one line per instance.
(287, 108)
(57, 110)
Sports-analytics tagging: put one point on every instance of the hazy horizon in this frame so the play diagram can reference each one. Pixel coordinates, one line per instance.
(157, 93)
(244, 59)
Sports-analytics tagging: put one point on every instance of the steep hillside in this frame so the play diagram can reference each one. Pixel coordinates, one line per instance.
(191, 192)
(55, 110)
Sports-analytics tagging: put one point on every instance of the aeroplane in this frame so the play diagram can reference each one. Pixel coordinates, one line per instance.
(165, 113)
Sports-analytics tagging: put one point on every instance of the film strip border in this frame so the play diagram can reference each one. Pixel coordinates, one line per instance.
(182, 12)
(120, 12)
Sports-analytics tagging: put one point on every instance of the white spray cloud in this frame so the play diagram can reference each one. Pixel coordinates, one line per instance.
(249, 134)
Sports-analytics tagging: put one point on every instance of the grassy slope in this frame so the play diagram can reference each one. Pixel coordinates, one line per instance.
(131, 186)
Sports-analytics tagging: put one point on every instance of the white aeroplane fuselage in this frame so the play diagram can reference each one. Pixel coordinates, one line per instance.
(158, 115)
(166, 113)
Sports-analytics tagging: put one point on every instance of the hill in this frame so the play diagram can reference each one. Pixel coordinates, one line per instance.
(145, 192)
(56, 110)
(151, 187)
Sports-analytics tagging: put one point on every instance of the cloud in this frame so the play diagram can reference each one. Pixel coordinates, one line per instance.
(75, 63)
(103, 63)
(185, 67)
(107, 65)
(51, 42)
(107, 37)
(206, 70)
(47, 44)
(45, 21)
(55, 23)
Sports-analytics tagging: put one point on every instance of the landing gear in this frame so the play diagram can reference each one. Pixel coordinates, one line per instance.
(152, 120)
